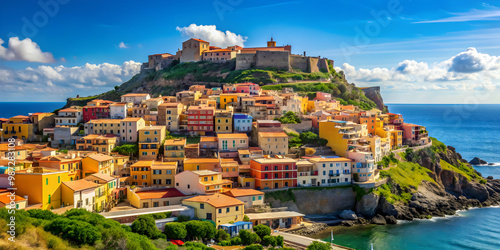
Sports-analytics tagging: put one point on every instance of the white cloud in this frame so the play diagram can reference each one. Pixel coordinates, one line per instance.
(473, 15)
(24, 50)
(61, 82)
(122, 45)
(210, 34)
(466, 70)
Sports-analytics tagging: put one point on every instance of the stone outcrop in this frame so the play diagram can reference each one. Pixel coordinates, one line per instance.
(348, 215)
(373, 93)
(477, 161)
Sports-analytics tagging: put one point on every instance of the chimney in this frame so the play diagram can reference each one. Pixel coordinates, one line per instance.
(304, 53)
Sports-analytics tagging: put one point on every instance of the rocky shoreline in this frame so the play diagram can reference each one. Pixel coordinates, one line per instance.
(451, 192)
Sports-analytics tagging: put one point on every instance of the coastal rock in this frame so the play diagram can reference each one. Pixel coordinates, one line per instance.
(391, 219)
(477, 161)
(348, 215)
(367, 205)
(348, 223)
(379, 220)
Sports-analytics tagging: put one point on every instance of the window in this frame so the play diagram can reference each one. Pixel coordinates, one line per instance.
(260, 197)
(156, 204)
(202, 206)
(227, 210)
(236, 208)
(253, 198)
(220, 210)
(46, 181)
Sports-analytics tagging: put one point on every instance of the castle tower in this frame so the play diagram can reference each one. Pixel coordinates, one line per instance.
(271, 43)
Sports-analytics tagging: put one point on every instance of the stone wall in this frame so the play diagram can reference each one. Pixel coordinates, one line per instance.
(245, 61)
(305, 125)
(273, 59)
(299, 62)
(323, 64)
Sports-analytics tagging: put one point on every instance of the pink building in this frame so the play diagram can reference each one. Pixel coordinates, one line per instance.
(248, 87)
(415, 134)
(323, 96)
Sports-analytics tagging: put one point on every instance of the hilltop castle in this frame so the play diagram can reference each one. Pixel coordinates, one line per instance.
(279, 57)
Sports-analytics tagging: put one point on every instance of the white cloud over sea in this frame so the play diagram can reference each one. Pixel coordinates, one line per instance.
(466, 70)
(211, 34)
(24, 50)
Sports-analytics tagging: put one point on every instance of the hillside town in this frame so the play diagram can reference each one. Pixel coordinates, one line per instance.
(206, 153)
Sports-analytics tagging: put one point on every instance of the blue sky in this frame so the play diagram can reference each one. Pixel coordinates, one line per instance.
(417, 51)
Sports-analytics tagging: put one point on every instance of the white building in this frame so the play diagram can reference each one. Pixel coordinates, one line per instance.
(130, 127)
(292, 104)
(135, 98)
(68, 117)
(333, 171)
(79, 194)
(364, 168)
(118, 110)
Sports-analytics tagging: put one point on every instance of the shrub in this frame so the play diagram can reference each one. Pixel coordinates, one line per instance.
(235, 241)
(254, 247)
(146, 225)
(248, 238)
(262, 230)
(269, 241)
(246, 219)
(222, 235)
(183, 218)
(77, 232)
(175, 230)
(316, 245)
(42, 214)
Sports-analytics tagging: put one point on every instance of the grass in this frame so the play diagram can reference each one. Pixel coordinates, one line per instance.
(437, 146)
(408, 175)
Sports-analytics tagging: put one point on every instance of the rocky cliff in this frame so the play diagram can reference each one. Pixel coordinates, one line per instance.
(373, 93)
(453, 185)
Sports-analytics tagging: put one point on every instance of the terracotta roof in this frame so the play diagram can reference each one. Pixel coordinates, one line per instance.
(164, 165)
(218, 50)
(176, 141)
(135, 94)
(131, 119)
(208, 139)
(239, 192)
(20, 116)
(201, 160)
(158, 194)
(5, 199)
(230, 136)
(80, 184)
(104, 177)
(152, 128)
(199, 40)
(216, 200)
(100, 157)
(272, 134)
(119, 104)
(69, 110)
(142, 164)
(338, 159)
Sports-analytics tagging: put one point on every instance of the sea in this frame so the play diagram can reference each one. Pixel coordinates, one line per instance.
(9, 109)
(474, 131)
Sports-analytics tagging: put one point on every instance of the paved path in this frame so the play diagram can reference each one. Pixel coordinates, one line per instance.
(304, 241)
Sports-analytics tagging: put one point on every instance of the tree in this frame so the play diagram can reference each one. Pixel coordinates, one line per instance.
(245, 218)
(262, 230)
(254, 247)
(248, 238)
(183, 218)
(316, 245)
(308, 137)
(269, 241)
(175, 230)
(280, 240)
(235, 241)
(222, 235)
(77, 232)
(146, 225)
(195, 229)
(42, 214)
(289, 118)
(209, 229)
(127, 149)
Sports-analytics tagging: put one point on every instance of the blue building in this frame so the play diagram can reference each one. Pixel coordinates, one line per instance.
(234, 229)
(242, 123)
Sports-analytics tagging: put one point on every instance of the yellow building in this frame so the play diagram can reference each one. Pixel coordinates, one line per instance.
(97, 163)
(201, 182)
(104, 198)
(225, 99)
(303, 104)
(100, 143)
(223, 121)
(396, 138)
(273, 143)
(103, 126)
(193, 164)
(20, 152)
(18, 127)
(140, 173)
(163, 174)
(218, 208)
(150, 139)
(79, 194)
(41, 185)
(119, 163)
(174, 150)
(340, 135)
(66, 162)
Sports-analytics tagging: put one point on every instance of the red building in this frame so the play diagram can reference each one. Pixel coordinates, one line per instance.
(271, 173)
(96, 109)
(200, 120)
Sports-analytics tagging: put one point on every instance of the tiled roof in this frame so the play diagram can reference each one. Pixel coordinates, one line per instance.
(131, 119)
(201, 160)
(230, 136)
(158, 194)
(135, 94)
(239, 192)
(69, 110)
(204, 172)
(199, 40)
(5, 199)
(104, 177)
(80, 184)
(217, 200)
(272, 134)
(336, 159)
(208, 139)
(100, 157)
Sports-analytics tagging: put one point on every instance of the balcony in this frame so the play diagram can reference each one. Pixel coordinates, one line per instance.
(334, 175)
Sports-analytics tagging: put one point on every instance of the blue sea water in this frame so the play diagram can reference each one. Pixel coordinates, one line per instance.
(9, 109)
(474, 130)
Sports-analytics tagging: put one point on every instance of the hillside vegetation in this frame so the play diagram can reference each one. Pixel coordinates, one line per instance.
(177, 76)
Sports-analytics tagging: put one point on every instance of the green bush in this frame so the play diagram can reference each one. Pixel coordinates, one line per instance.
(316, 245)
(175, 230)
(236, 241)
(262, 230)
(146, 225)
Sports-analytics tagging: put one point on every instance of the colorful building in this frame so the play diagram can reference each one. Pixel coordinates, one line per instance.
(69, 117)
(19, 127)
(242, 123)
(97, 163)
(332, 170)
(200, 120)
(271, 173)
(154, 197)
(273, 143)
(104, 197)
(228, 99)
(79, 194)
(99, 143)
(193, 164)
(150, 139)
(223, 121)
(250, 197)
(229, 144)
(219, 208)
(174, 150)
(201, 182)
